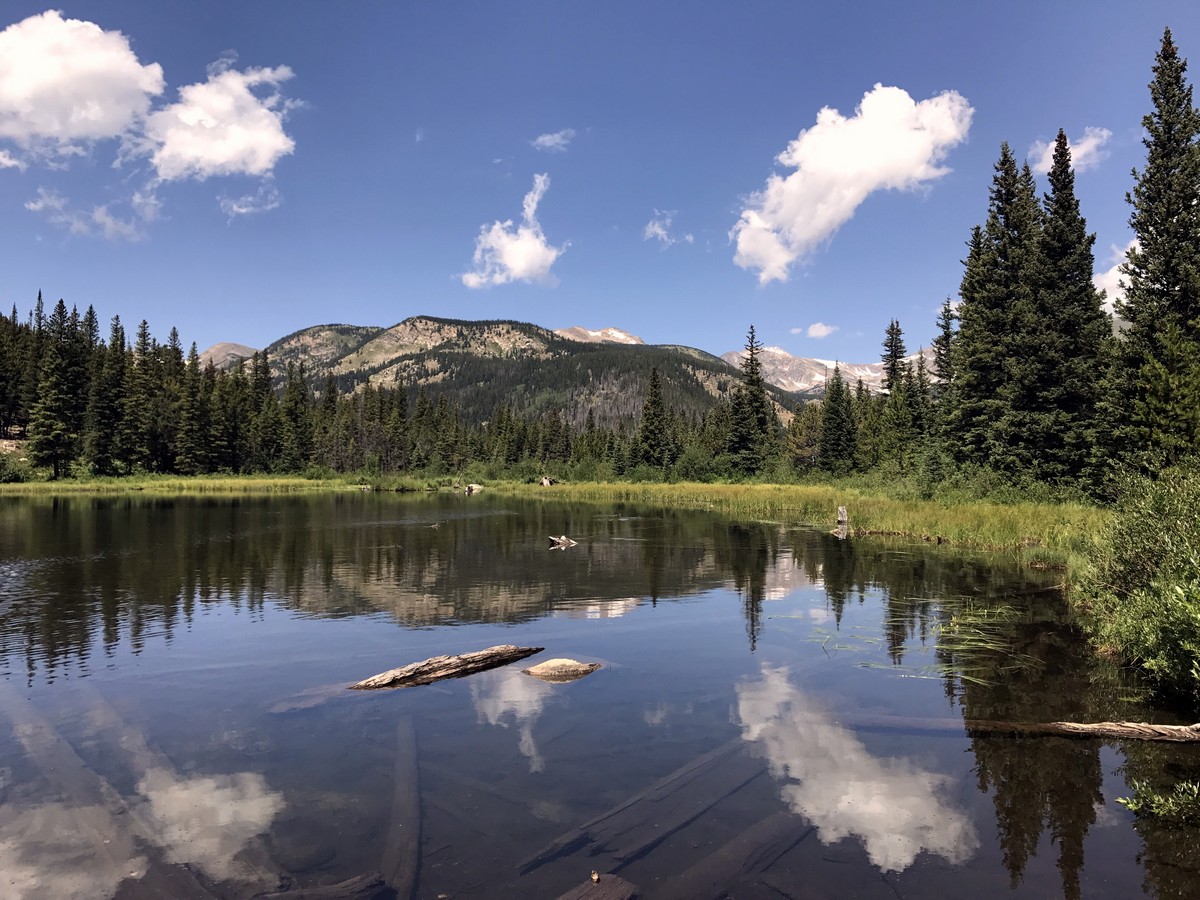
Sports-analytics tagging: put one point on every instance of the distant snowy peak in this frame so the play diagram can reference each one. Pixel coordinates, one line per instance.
(603, 336)
(807, 375)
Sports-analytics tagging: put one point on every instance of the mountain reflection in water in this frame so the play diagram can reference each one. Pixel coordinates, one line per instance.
(143, 642)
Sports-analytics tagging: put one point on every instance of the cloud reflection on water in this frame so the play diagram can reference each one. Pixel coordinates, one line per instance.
(206, 820)
(896, 808)
(49, 852)
(504, 692)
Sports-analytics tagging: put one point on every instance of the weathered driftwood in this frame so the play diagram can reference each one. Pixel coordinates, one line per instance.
(438, 668)
(361, 887)
(560, 671)
(1140, 731)
(603, 887)
(748, 855)
(562, 542)
(633, 827)
(402, 846)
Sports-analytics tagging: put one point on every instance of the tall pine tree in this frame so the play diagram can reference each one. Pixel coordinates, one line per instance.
(1155, 378)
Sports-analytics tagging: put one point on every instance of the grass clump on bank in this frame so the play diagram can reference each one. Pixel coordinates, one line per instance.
(1055, 531)
(1139, 594)
(176, 485)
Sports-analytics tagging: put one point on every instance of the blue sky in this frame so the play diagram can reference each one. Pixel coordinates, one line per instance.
(241, 170)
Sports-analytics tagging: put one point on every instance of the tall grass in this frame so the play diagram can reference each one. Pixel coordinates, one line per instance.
(1056, 532)
(178, 485)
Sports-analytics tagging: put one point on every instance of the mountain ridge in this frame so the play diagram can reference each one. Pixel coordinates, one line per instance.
(387, 354)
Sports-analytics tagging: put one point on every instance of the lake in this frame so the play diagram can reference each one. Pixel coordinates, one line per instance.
(779, 713)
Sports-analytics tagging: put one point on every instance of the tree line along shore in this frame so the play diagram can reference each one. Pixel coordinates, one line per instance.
(1035, 392)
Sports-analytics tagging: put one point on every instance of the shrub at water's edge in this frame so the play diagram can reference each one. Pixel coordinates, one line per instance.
(1139, 593)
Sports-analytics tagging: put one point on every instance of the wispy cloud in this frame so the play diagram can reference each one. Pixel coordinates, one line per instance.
(506, 252)
(891, 142)
(96, 222)
(659, 229)
(263, 200)
(1086, 153)
(556, 142)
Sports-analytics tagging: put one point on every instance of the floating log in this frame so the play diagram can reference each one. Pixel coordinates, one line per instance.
(603, 887)
(633, 827)
(560, 671)
(438, 668)
(402, 847)
(562, 542)
(1139, 731)
(361, 887)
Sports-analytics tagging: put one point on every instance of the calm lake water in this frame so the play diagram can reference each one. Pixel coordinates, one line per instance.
(779, 713)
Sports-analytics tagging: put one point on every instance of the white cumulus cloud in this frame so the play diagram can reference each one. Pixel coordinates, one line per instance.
(659, 229)
(817, 330)
(891, 141)
(65, 82)
(506, 252)
(220, 126)
(1086, 153)
(556, 142)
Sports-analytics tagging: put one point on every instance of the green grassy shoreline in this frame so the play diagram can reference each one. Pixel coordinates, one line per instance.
(1052, 532)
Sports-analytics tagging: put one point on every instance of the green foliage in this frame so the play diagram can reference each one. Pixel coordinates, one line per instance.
(1162, 276)
(1140, 593)
(839, 437)
(1178, 807)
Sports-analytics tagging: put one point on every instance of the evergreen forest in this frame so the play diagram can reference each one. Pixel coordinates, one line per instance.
(1032, 380)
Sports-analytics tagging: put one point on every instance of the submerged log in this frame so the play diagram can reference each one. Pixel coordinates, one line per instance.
(402, 846)
(748, 855)
(361, 887)
(438, 668)
(630, 829)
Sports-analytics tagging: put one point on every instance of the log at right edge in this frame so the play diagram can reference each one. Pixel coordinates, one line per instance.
(438, 668)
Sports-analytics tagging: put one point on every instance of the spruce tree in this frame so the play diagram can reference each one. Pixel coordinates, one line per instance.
(893, 356)
(52, 435)
(838, 428)
(1070, 332)
(655, 444)
(997, 316)
(943, 347)
(190, 449)
(754, 423)
(1156, 357)
(105, 403)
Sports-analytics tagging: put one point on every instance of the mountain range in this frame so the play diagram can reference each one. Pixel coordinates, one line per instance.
(487, 363)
